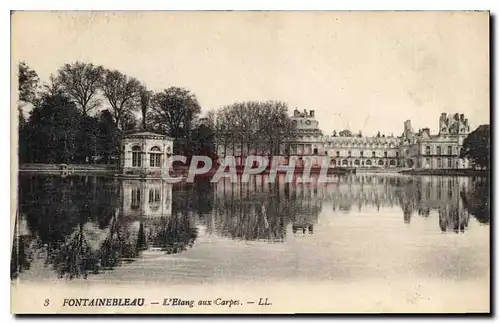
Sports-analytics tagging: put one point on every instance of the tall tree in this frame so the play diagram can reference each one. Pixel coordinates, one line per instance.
(50, 133)
(53, 87)
(107, 139)
(145, 96)
(86, 139)
(28, 83)
(278, 128)
(261, 127)
(80, 82)
(476, 146)
(172, 112)
(122, 92)
(203, 140)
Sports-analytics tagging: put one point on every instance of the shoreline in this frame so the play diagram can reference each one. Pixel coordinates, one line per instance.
(447, 172)
(112, 170)
(182, 170)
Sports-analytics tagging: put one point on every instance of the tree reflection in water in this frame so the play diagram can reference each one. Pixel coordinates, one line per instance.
(260, 211)
(58, 212)
(173, 235)
(22, 251)
(78, 226)
(81, 225)
(477, 200)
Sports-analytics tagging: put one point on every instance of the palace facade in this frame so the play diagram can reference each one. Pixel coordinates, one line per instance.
(423, 150)
(413, 149)
(410, 150)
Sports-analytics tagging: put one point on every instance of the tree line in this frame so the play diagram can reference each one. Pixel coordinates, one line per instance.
(252, 127)
(80, 114)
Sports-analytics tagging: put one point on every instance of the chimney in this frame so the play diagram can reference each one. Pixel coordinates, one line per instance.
(311, 113)
(462, 117)
(443, 116)
(407, 126)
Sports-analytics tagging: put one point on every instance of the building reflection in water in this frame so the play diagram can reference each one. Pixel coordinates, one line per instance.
(263, 211)
(155, 222)
(452, 199)
(81, 225)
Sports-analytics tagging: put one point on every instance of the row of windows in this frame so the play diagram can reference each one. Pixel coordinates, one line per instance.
(370, 145)
(154, 197)
(361, 153)
(439, 150)
(154, 157)
(444, 130)
(367, 162)
(347, 144)
(334, 145)
(440, 162)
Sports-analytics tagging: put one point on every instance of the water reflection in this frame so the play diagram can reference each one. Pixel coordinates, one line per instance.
(262, 211)
(85, 225)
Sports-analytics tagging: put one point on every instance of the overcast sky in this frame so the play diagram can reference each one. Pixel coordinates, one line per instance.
(366, 71)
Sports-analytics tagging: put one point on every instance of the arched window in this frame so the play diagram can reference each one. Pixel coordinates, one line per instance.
(155, 157)
(344, 162)
(380, 162)
(356, 162)
(333, 162)
(368, 162)
(136, 156)
(392, 162)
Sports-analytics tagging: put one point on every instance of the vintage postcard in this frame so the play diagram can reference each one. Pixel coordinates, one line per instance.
(239, 162)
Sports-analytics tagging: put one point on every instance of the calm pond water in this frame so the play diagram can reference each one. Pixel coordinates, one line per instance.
(363, 227)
